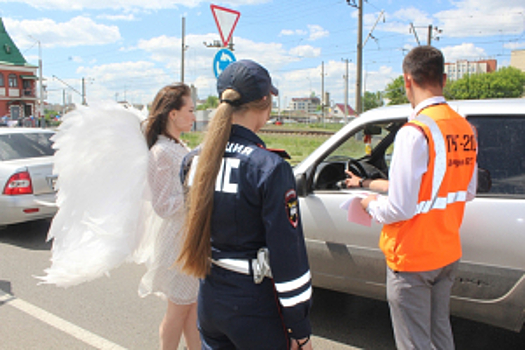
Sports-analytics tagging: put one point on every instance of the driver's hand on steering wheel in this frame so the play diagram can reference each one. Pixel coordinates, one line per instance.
(352, 180)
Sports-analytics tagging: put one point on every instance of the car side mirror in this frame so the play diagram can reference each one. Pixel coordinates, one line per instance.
(300, 183)
(484, 181)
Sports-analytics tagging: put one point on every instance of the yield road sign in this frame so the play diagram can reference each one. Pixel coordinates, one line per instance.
(226, 20)
(221, 60)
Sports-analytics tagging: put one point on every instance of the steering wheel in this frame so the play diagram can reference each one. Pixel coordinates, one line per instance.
(357, 168)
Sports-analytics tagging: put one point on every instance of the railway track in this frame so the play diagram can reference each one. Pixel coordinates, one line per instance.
(296, 132)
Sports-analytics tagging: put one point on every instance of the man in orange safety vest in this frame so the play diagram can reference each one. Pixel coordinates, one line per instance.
(431, 177)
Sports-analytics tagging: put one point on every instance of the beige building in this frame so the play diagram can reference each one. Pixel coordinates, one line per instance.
(459, 69)
(517, 59)
(307, 104)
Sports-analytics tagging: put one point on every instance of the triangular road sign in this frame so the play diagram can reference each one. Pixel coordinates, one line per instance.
(226, 20)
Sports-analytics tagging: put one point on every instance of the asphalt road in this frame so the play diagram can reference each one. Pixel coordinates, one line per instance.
(108, 314)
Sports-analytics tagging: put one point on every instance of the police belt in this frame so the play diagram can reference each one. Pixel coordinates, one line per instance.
(259, 266)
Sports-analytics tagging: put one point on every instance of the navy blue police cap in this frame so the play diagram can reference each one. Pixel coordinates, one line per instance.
(249, 79)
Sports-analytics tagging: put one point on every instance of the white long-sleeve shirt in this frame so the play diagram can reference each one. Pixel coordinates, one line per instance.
(409, 163)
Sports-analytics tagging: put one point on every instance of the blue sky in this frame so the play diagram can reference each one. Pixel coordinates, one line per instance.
(129, 49)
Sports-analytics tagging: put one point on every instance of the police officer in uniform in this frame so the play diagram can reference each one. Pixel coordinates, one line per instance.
(244, 236)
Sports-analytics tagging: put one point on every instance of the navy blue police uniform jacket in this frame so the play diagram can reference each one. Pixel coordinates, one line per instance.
(255, 206)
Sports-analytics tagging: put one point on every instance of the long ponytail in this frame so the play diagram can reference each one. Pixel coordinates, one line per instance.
(195, 254)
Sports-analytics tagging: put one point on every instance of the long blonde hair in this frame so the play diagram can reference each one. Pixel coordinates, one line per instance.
(195, 254)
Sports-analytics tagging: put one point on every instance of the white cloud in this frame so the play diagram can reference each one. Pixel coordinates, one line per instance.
(68, 5)
(305, 51)
(514, 45)
(399, 22)
(465, 51)
(466, 18)
(317, 32)
(134, 81)
(377, 80)
(198, 58)
(287, 32)
(78, 31)
(483, 18)
(109, 73)
(301, 82)
(128, 17)
(76, 59)
(412, 14)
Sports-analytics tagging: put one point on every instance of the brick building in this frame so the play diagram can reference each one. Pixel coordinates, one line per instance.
(18, 81)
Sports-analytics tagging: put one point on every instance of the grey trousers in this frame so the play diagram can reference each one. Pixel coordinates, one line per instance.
(419, 307)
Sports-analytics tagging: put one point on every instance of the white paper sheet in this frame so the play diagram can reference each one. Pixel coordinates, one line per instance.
(356, 213)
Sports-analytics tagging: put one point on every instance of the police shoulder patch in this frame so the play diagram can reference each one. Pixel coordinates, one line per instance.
(291, 207)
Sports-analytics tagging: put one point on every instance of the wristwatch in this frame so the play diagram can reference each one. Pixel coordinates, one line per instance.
(361, 181)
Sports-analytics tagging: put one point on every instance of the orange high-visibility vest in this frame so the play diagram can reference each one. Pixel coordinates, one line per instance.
(430, 239)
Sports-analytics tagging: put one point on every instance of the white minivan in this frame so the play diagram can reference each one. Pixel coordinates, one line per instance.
(490, 285)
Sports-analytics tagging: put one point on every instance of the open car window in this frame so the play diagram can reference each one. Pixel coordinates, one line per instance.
(367, 152)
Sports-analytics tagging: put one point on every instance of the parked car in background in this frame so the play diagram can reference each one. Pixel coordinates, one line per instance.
(26, 175)
(490, 285)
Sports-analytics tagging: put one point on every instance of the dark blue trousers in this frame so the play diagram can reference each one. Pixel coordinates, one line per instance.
(236, 313)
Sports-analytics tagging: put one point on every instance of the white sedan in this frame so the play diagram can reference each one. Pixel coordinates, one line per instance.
(26, 175)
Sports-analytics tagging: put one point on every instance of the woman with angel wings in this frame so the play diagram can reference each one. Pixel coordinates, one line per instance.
(120, 199)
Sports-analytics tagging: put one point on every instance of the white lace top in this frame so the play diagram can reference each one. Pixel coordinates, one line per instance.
(162, 277)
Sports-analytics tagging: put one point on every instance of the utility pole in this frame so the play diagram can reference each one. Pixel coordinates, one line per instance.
(64, 108)
(346, 92)
(84, 92)
(359, 61)
(183, 48)
(360, 46)
(322, 90)
(40, 86)
(430, 31)
(40, 80)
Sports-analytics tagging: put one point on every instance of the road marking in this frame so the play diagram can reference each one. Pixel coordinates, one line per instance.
(104, 344)
(320, 343)
(59, 323)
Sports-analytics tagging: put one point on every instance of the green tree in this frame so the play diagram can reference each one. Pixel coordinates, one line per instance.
(372, 100)
(505, 83)
(395, 92)
(211, 102)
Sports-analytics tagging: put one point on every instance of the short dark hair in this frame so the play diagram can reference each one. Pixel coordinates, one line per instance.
(426, 65)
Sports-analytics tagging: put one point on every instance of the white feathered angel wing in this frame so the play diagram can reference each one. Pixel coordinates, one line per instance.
(101, 163)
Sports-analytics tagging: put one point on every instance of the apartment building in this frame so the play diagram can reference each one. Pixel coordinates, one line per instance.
(459, 69)
(307, 104)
